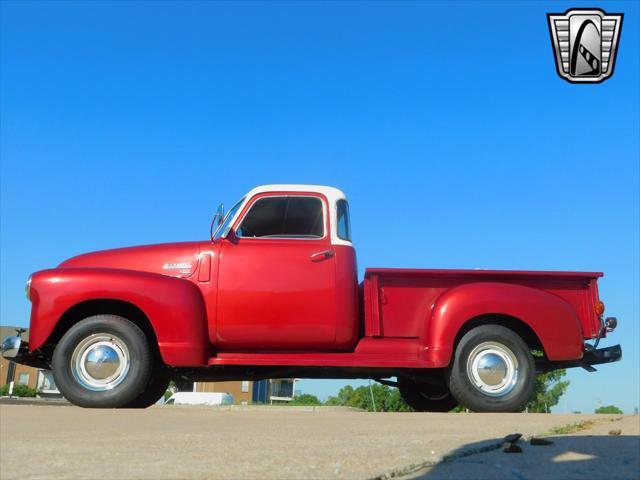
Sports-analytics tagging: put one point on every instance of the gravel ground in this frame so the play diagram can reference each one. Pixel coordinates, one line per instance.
(170, 442)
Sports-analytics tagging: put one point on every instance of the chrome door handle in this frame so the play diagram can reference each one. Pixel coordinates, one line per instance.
(318, 256)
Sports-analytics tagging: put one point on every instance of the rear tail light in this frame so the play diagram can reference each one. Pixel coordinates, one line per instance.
(610, 324)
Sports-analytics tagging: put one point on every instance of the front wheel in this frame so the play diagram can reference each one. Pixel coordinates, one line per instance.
(103, 361)
(155, 390)
(492, 370)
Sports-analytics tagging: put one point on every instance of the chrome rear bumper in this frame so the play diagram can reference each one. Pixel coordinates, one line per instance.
(598, 356)
(592, 356)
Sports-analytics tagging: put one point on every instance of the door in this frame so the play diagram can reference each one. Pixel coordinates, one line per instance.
(276, 287)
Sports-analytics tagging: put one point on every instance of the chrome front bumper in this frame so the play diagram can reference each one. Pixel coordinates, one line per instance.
(11, 346)
(17, 350)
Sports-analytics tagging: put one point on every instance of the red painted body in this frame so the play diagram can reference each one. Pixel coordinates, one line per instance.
(259, 301)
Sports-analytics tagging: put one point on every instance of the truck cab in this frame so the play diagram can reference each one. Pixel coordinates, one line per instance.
(286, 272)
(273, 292)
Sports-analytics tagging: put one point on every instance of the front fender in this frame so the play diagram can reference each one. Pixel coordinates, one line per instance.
(174, 306)
(555, 322)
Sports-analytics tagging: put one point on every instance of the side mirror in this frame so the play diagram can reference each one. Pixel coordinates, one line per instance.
(216, 221)
(220, 213)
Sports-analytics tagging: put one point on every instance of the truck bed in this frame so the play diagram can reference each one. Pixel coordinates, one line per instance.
(397, 301)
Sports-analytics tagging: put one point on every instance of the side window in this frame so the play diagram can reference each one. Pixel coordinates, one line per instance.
(344, 227)
(23, 379)
(284, 217)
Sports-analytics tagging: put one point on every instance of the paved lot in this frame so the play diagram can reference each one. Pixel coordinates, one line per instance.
(200, 442)
(587, 454)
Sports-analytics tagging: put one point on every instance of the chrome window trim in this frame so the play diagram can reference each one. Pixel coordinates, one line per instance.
(240, 204)
(314, 239)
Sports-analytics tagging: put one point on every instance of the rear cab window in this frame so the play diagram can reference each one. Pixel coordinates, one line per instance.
(344, 225)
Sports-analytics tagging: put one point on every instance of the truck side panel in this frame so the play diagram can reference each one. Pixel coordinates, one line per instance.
(174, 307)
(554, 320)
(433, 305)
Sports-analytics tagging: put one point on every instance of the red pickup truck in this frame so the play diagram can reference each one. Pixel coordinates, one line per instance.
(274, 293)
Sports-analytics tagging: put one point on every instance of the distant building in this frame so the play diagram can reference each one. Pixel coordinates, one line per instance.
(244, 392)
(37, 378)
(279, 390)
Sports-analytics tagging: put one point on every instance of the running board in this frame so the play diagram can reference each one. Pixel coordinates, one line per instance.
(370, 352)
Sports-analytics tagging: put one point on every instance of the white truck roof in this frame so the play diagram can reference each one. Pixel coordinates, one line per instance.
(332, 194)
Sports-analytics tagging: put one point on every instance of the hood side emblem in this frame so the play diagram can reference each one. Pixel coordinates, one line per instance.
(177, 266)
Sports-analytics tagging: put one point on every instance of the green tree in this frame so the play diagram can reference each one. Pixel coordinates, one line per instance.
(305, 399)
(18, 391)
(343, 398)
(387, 399)
(547, 391)
(609, 409)
(171, 389)
(395, 402)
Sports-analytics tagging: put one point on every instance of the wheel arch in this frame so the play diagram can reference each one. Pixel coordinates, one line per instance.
(514, 324)
(111, 306)
(170, 311)
(544, 320)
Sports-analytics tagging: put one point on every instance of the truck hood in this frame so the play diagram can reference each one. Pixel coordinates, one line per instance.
(173, 259)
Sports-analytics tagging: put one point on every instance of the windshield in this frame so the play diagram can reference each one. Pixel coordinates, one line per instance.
(223, 229)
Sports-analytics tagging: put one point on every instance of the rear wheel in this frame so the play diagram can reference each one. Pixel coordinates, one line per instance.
(103, 361)
(423, 397)
(492, 370)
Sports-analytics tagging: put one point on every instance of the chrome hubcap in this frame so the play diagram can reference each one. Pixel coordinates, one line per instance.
(100, 362)
(493, 369)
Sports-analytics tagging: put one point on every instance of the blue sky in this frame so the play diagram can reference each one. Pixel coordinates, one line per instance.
(458, 145)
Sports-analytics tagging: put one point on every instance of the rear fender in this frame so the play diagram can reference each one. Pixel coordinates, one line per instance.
(175, 307)
(553, 320)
